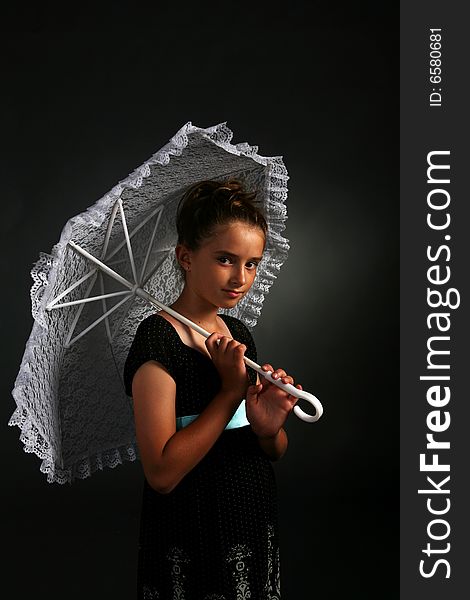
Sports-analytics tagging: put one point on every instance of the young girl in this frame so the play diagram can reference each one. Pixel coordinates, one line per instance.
(209, 515)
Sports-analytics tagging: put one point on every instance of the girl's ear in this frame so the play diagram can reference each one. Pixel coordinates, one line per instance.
(183, 256)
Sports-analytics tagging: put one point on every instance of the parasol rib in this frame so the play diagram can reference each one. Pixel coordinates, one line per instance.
(104, 305)
(128, 241)
(144, 266)
(69, 289)
(84, 300)
(106, 314)
(80, 309)
(112, 218)
(134, 231)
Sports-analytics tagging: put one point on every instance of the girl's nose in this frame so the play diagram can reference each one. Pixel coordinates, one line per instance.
(238, 276)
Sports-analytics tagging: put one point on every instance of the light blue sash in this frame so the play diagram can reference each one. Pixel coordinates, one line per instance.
(238, 420)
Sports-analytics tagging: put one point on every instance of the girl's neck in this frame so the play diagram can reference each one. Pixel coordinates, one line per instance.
(201, 313)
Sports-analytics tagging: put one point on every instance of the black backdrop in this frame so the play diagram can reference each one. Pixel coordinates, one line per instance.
(93, 93)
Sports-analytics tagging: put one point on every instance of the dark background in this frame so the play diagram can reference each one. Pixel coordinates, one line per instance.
(91, 94)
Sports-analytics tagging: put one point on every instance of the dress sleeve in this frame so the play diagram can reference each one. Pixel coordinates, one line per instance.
(152, 341)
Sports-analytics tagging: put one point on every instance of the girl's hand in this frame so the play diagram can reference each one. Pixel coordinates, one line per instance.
(268, 406)
(227, 356)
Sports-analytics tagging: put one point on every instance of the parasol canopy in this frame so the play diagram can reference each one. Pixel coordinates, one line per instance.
(95, 287)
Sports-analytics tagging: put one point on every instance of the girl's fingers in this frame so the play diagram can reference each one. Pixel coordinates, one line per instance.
(220, 344)
(233, 343)
(252, 391)
(224, 342)
(211, 342)
(267, 367)
(234, 349)
(278, 373)
(227, 344)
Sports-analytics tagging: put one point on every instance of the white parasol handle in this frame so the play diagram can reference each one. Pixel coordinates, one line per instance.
(288, 387)
(293, 391)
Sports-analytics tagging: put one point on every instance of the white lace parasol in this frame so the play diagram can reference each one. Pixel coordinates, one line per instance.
(71, 405)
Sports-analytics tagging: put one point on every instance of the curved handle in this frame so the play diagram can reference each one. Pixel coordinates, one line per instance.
(303, 395)
(291, 389)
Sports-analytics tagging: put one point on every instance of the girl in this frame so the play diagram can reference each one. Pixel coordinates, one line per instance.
(209, 520)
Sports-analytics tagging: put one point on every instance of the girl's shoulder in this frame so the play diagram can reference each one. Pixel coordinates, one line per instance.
(238, 329)
(157, 328)
(153, 340)
(154, 323)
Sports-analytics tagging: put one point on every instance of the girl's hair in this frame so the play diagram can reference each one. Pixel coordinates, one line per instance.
(207, 204)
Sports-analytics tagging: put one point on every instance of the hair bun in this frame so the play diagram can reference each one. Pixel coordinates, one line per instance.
(209, 203)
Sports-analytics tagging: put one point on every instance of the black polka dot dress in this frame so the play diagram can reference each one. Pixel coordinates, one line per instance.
(215, 536)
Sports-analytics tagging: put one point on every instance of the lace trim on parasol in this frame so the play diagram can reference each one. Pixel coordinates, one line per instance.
(35, 443)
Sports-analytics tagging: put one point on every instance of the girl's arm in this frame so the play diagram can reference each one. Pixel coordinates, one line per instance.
(275, 447)
(168, 455)
(268, 407)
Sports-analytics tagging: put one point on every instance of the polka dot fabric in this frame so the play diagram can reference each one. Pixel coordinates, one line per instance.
(215, 536)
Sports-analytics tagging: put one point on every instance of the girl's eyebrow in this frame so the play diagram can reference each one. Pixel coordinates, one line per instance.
(226, 253)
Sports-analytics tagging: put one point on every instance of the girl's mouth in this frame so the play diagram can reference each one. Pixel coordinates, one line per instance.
(232, 294)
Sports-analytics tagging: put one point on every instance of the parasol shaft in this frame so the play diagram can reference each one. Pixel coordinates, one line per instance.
(292, 390)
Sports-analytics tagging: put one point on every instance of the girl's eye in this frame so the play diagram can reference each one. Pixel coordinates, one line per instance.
(226, 260)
